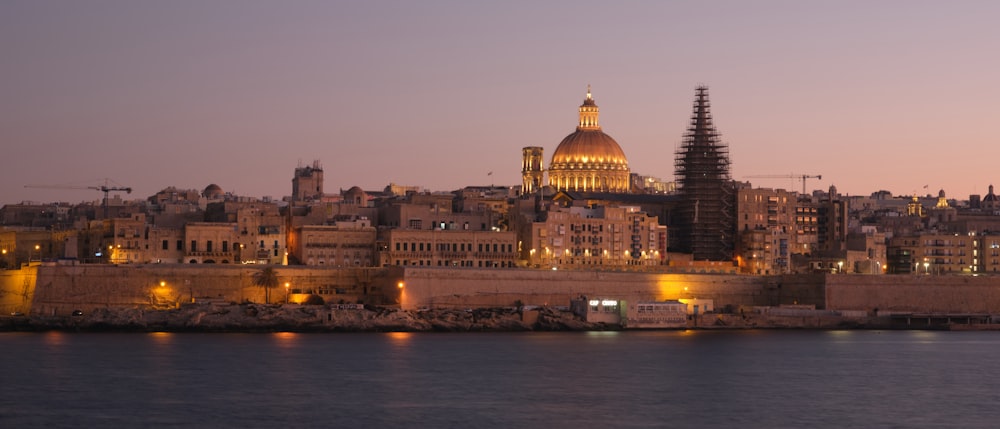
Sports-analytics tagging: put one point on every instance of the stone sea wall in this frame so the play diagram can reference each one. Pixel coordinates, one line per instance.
(61, 289)
(58, 290)
(470, 288)
(914, 293)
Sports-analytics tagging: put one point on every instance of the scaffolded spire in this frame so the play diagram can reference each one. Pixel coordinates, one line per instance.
(704, 217)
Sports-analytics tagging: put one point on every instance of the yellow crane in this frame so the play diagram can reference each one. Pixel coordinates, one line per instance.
(103, 188)
(802, 177)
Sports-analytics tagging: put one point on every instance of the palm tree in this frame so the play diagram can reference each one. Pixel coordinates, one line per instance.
(266, 278)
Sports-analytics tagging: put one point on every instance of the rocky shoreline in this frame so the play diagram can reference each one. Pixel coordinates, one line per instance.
(249, 317)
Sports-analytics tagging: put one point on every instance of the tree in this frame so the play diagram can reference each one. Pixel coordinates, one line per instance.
(266, 278)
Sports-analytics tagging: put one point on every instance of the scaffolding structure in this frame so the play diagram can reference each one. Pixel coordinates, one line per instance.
(704, 218)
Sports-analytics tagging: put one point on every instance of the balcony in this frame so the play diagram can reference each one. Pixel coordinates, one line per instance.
(210, 254)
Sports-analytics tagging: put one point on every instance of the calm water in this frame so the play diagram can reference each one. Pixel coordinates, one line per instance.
(751, 379)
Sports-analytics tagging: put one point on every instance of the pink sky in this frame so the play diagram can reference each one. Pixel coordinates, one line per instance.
(890, 95)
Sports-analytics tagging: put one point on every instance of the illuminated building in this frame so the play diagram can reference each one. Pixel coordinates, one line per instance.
(594, 237)
(588, 160)
(532, 169)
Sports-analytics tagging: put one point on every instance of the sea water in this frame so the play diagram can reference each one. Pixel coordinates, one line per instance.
(745, 379)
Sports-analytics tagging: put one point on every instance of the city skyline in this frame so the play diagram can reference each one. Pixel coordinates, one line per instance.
(892, 95)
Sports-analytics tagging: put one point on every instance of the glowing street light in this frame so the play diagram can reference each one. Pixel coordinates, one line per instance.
(36, 252)
(840, 267)
(287, 285)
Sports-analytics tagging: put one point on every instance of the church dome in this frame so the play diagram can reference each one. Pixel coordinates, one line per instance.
(990, 196)
(588, 159)
(589, 147)
(212, 191)
(356, 195)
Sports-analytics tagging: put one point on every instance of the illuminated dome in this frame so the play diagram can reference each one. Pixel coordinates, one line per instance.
(589, 160)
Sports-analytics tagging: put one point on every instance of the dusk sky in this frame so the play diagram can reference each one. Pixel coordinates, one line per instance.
(893, 95)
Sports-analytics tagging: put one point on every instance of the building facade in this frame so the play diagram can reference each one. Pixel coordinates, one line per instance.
(594, 238)
(348, 244)
(448, 248)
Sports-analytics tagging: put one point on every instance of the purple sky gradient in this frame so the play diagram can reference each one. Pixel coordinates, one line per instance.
(873, 95)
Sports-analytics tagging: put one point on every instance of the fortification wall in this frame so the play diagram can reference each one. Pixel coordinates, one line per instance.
(16, 289)
(914, 293)
(58, 289)
(470, 288)
(61, 289)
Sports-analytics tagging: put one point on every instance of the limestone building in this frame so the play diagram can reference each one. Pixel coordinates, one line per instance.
(936, 253)
(596, 237)
(307, 183)
(210, 242)
(448, 248)
(345, 244)
(767, 230)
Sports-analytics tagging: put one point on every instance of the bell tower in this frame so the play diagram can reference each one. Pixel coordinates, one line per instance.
(532, 170)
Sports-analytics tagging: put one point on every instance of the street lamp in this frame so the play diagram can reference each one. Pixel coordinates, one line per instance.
(840, 267)
(927, 266)
(33, 252)
(287, 285)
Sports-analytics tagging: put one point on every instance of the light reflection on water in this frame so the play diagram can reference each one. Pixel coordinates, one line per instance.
(614, 379)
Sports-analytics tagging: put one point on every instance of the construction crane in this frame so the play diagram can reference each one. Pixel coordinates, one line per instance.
(802, 177)
(103, 188)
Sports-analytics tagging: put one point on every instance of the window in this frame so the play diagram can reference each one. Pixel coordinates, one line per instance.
(225, 246)
(194, 246)
(166, 245)
(208, 246)
(180, 244)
